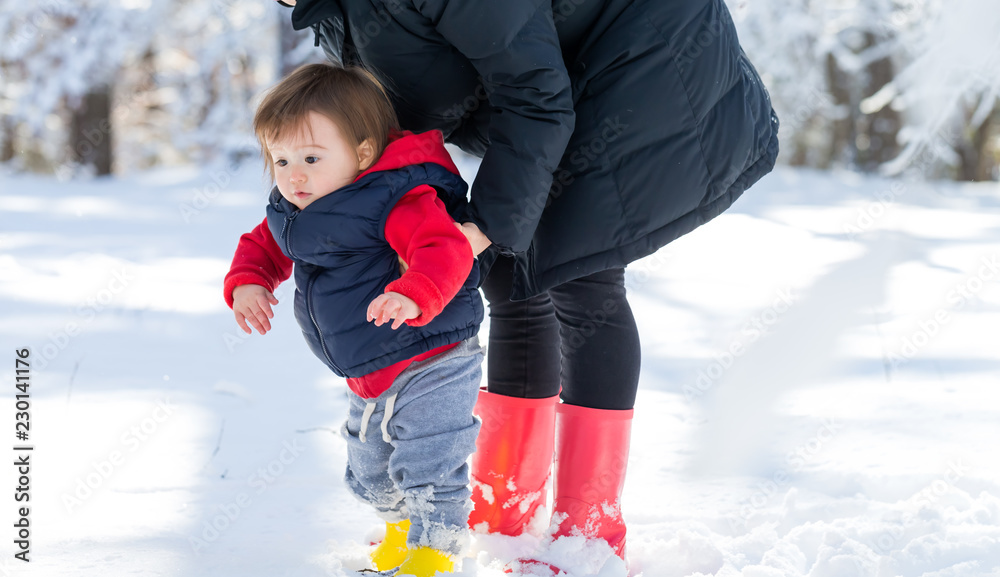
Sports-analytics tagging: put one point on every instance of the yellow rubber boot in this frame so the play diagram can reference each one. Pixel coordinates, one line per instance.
(425, 562)
(391, 552)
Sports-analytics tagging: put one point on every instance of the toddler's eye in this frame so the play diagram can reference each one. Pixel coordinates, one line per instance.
(312, 159)
(281, 162)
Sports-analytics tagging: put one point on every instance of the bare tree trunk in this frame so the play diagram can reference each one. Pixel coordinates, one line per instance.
(989, 158)
(135, 111)
(878, 130)
(7, 135)
(90, 130)
(799, 155)
(977, 158)
(7, 127)
(841, 143)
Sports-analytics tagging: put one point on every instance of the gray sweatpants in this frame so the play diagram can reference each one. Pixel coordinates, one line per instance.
(407, 448)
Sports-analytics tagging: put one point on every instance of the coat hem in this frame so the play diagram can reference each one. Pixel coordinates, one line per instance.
(621, 256)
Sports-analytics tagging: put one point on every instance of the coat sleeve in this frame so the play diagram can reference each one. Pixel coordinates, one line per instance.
(514, 46)
(437, 254)
(258, 260)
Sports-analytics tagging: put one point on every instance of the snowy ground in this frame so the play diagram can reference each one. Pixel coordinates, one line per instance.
(818, 397)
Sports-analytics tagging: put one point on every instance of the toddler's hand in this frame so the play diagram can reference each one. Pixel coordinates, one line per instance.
(392, 306)
(252, 303)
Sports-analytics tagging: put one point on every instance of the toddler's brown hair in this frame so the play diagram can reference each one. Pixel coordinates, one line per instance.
(351, 97)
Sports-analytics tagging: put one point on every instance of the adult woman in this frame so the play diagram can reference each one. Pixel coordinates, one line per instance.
(607, 128)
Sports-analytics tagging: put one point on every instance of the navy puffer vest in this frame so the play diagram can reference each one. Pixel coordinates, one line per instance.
(342, 262)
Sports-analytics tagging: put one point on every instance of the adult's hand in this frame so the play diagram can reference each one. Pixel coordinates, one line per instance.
(476, 237)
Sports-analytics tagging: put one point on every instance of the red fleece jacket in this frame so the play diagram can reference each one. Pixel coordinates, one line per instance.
(418, 228)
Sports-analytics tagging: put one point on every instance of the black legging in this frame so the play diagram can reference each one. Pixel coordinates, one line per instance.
(580, 335)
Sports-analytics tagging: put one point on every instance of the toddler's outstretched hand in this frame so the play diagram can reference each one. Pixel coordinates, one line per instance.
(252, 302)
(392, 305)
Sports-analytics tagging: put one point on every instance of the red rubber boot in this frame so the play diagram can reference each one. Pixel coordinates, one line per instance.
(591, 457)
(512, 462)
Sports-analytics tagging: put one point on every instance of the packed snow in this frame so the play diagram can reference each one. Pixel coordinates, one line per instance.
(818, 394)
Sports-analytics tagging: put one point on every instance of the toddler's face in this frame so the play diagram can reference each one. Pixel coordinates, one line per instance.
(314, 162)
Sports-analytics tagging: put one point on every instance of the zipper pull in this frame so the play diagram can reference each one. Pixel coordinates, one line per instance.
(288, 221)
(286, 232)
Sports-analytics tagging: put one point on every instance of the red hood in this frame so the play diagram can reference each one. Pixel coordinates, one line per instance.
(406, 148)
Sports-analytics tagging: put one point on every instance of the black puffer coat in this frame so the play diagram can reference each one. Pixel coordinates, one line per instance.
(607, 128)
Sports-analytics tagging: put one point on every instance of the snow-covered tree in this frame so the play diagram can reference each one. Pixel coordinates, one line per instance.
(211, 62)
(173, 79)
(60, 61)
(949, 88)
(884, 84)
(820, 59)
(866, 84)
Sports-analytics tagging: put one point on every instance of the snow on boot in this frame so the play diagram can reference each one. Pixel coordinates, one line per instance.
(591, 457)
(512, 462)
(425, 562)
(391, 552)
(535, 568)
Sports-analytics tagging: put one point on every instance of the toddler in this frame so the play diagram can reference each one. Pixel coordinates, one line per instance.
(385, 295)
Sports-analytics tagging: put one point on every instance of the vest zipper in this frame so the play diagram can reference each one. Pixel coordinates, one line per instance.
(312, 317)
(287, 233)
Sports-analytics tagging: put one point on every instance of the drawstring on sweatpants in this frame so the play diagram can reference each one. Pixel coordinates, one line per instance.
(390, 404)
(369, 409)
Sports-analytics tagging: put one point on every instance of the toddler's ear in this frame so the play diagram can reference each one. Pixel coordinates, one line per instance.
(366, 154)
